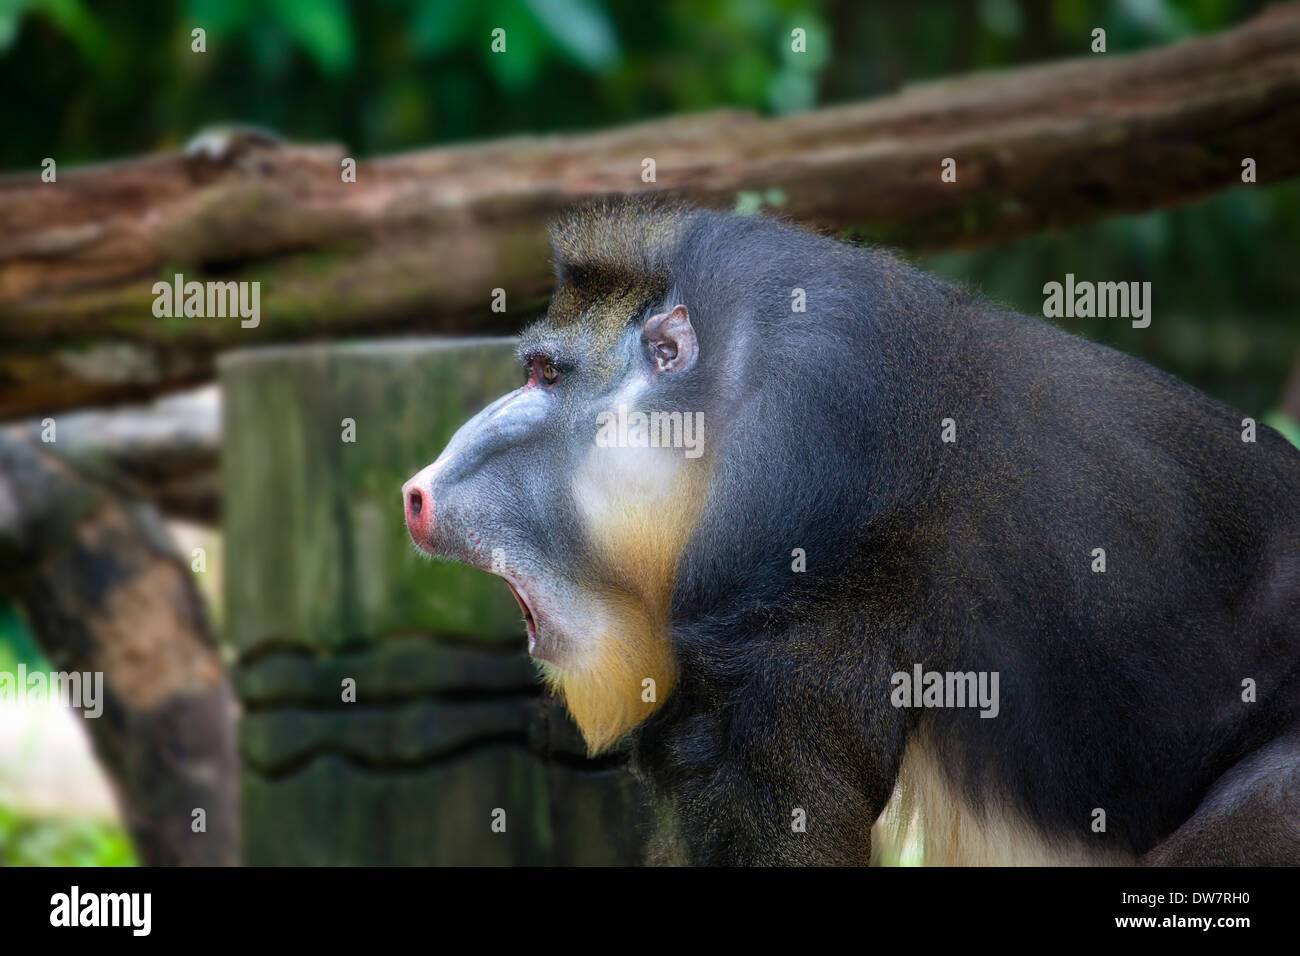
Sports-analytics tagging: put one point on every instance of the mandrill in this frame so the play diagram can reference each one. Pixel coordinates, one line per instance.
(758, 482)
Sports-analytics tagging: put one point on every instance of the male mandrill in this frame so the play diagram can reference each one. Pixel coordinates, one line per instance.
(891, 478)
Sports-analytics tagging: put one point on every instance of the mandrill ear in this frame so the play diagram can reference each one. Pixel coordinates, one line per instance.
(669, 340)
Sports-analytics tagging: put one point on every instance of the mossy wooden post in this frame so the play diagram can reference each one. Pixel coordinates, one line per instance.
(323, 586)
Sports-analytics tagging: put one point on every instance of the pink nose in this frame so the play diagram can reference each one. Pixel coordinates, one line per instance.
(419, 512)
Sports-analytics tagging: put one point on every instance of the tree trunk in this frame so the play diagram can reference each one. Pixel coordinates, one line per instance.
(104, 593)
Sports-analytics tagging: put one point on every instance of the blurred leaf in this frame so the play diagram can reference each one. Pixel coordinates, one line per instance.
(322, 27)
(518, 65)
(580, 28)
(11, 15)
(747, 75)
(817, 45)
(791, 91)
(1157, 16)
(70, 17)
(1001, 17)
(218, 17)
(438, 25)
(271, 49)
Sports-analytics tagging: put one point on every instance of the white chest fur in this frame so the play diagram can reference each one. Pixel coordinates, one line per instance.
(927, 811)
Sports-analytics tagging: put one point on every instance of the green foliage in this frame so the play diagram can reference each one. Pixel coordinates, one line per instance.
(72, 18)
(30, 841)
(109, 79)
(102, 79)
(16, 642)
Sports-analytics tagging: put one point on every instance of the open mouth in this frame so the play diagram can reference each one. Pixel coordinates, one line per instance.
(528, 616)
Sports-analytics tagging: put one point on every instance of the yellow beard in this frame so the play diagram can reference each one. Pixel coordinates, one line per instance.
(611, 692)
(638, 530)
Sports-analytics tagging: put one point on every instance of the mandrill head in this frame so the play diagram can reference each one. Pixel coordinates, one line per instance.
(582, 487)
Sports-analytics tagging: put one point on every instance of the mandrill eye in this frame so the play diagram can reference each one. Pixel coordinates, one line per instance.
(550, 373)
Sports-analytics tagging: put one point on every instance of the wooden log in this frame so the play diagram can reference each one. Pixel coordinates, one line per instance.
(420, 240)
(323, 588)
(164, 452)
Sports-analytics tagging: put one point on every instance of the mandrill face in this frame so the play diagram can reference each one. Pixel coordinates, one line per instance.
(581, 489)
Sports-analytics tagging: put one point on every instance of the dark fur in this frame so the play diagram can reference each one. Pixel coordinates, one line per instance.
(1119, 690)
